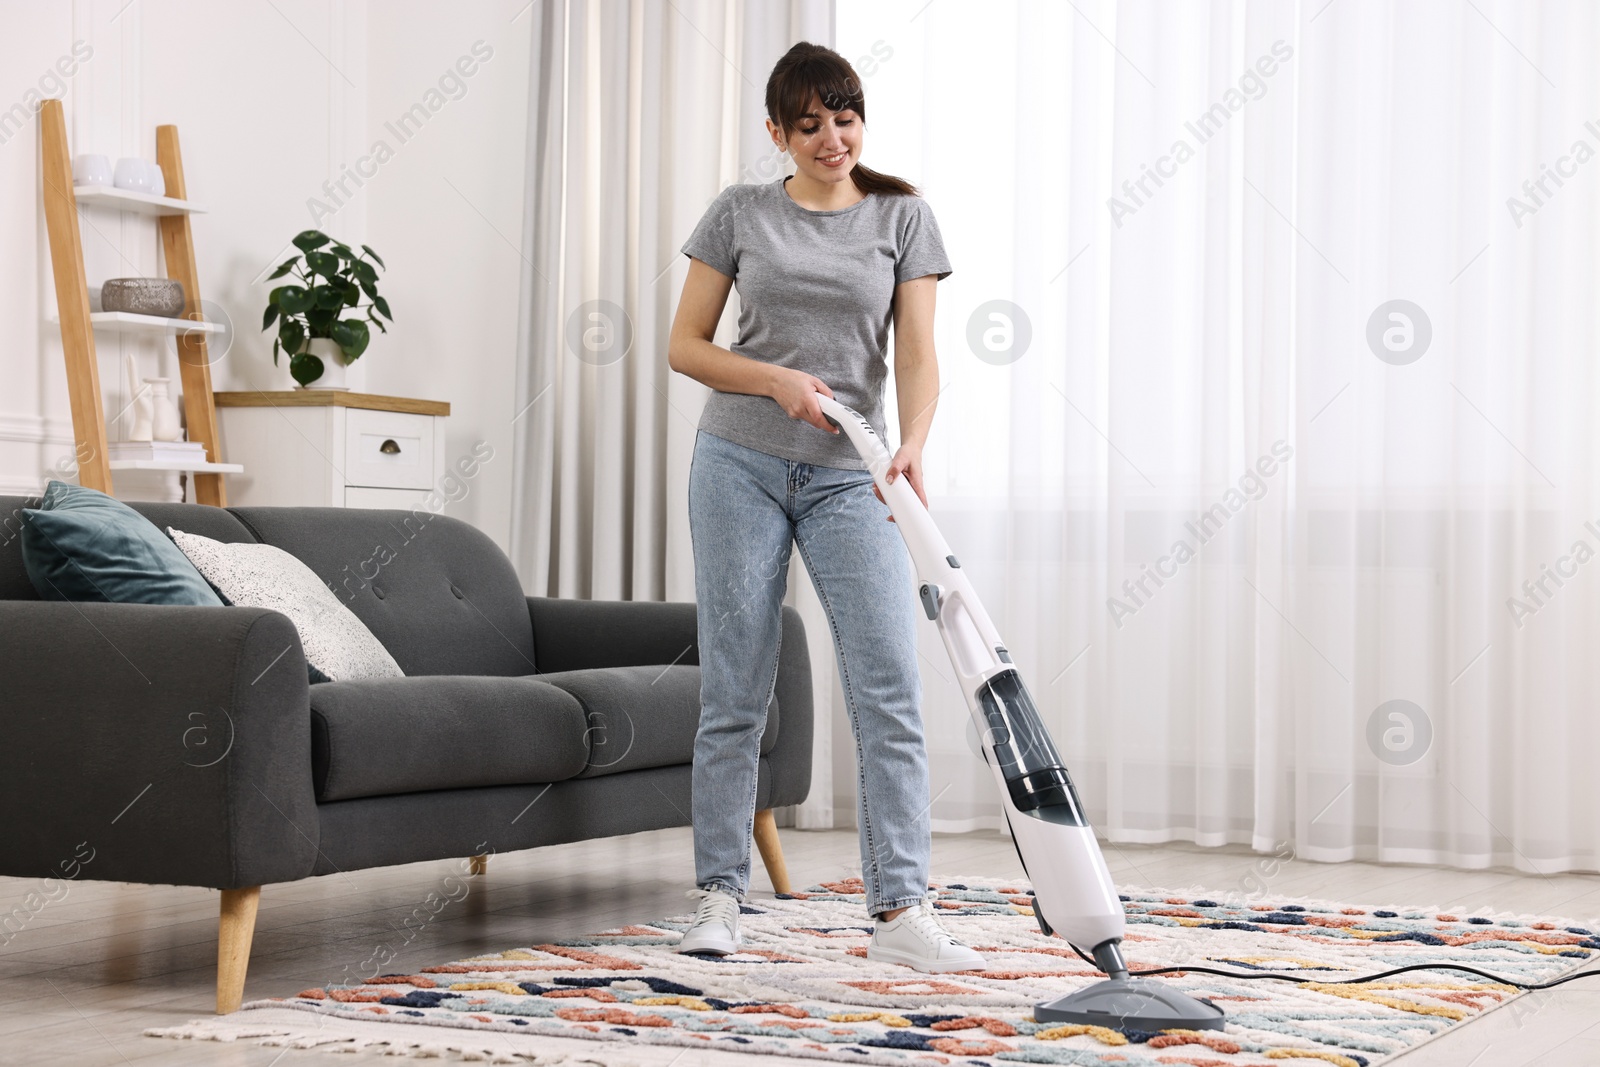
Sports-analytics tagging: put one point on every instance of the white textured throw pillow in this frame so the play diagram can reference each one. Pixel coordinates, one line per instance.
(263, 576)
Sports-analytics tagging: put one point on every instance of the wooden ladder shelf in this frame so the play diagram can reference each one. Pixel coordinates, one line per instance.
(77, 327)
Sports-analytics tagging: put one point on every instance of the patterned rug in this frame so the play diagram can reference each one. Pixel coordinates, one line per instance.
(803, 987)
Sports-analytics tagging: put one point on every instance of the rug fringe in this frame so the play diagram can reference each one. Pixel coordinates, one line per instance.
(281, 1037)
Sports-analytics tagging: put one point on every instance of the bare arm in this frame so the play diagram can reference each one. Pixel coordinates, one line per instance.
(916, 377)
(690, 352)
(916, 367)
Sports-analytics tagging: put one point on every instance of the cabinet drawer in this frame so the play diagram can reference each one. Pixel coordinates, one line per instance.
(388, 449)
(360, 496)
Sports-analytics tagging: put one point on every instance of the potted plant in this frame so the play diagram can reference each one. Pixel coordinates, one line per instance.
(311, 317)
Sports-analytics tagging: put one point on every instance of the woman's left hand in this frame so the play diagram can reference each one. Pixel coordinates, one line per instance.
(907, 462)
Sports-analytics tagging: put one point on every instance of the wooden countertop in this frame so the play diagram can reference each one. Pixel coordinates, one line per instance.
(325, 398)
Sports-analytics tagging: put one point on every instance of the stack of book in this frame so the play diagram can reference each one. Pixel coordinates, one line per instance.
(158, 451)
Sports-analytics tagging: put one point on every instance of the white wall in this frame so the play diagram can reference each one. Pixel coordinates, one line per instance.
(34, 38)
(446, 215)
(273, 102)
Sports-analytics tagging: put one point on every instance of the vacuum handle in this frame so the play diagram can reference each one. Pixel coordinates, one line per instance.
(928, 546)
(970, 636)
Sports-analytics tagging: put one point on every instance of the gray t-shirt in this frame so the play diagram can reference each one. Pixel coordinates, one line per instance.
(816, 291)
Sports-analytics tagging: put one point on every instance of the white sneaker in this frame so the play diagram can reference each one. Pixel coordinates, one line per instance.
(716, 924)
(915, 938)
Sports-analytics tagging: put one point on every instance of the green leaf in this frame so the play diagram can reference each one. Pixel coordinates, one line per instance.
(376, 322)
(270, 317)
(292, 336)
(370, 289)
(323, 263)
(320, 320)
(274, 352)
(343, 250)
(305, 369)
(292, 299)
(383, 307)
(363, 271)
(352, 295)
(363, 339)
(327, 297)
(306, 240)
(377, 258)
(284, 268)
(352, 336)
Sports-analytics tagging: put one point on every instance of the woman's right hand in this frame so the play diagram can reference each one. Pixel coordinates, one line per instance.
(796, 392)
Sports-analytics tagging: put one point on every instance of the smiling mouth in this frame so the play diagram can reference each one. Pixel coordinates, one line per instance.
(832, 159)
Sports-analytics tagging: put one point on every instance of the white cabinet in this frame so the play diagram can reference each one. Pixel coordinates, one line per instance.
(330, 448)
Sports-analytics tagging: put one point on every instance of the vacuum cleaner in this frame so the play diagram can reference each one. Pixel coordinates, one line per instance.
(1073, 892)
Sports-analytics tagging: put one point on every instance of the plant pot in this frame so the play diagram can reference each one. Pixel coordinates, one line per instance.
(333, 364)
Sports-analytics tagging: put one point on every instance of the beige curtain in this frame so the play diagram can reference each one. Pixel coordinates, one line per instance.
(641, 113)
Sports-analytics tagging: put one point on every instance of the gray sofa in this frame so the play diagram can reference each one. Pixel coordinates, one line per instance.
(184, 745)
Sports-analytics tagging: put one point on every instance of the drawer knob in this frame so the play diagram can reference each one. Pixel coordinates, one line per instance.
(390, 447)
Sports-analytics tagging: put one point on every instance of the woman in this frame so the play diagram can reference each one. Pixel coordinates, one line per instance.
(822, 259)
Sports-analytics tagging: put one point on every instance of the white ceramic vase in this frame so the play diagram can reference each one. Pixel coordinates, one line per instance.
(164, 425)
(332, 356)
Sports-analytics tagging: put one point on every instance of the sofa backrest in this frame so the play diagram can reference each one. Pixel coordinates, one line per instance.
(437, 592)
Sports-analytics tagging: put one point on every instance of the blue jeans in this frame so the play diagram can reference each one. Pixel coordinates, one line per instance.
(746, 510)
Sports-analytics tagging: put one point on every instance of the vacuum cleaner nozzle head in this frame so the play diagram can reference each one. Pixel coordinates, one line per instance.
(1123, 1002)
(1132, 1004)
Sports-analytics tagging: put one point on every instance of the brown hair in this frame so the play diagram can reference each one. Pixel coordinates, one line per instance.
(808, 70)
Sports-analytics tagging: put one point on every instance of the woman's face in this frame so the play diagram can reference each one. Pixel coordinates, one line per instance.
(825, 144)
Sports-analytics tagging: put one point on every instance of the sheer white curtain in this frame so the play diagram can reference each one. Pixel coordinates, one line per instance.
(1179, 234)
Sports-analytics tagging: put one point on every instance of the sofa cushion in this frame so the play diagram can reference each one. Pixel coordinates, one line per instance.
(383, 736)
(439, 594)
(83, 545)
(641, 717)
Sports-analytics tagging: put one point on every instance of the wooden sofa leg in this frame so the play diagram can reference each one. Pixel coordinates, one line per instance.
(480, 865)
(234, 934)
(771, 850)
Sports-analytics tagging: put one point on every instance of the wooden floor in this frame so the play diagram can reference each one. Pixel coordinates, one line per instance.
(88, 973)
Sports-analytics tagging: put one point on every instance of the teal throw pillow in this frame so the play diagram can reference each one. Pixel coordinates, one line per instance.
(84, 545)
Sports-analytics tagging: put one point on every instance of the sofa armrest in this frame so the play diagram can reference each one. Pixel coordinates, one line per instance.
(154, 744)
(570, 635)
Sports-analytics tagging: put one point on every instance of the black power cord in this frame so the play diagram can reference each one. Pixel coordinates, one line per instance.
(1347, 981)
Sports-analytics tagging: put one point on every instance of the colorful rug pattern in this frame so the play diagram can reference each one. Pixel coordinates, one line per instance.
(804, 988)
